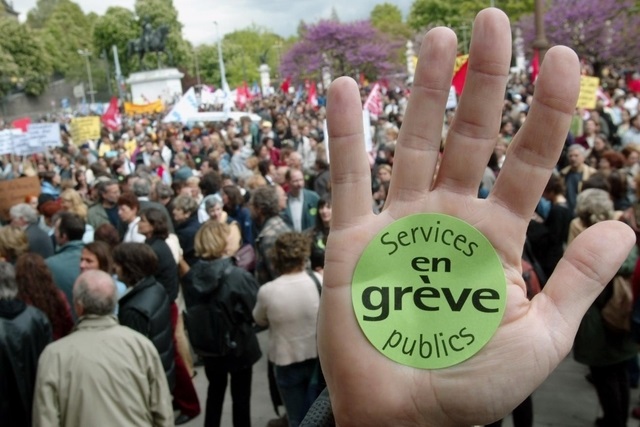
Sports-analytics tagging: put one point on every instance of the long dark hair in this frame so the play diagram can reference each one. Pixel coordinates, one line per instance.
(36, 288)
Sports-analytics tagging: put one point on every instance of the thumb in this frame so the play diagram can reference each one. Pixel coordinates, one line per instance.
(589, 263)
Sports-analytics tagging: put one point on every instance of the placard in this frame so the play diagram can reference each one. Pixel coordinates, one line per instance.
(588, 92)
(84, 129)
(14, 191)
(44, 135)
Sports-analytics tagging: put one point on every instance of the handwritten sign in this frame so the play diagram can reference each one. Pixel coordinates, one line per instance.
(6, 146)
(588, 92)
(14, 191)
(84, 129)
(20, 143)
(44, 135)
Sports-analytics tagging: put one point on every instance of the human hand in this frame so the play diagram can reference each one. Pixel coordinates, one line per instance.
(366, 387)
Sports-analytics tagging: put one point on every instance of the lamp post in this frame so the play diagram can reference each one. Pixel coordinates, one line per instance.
(541, 43)
(195, 55)
(86, 54)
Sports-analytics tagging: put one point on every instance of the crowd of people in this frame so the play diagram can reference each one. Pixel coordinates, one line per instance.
(131, 229)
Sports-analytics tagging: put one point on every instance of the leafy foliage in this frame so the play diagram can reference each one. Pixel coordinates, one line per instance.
(600, 31)
(163, 12)
(38, 16)
(387, 18)
(347, 48)
(65, 31)
(23, 58)
(116, 27)
(243, 51)
(430, 13)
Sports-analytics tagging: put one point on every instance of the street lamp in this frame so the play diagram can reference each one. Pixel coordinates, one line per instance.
(86, 54)
(195, 55)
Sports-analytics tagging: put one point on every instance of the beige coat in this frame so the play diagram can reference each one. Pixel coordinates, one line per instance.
(289, 306)
(101, 374)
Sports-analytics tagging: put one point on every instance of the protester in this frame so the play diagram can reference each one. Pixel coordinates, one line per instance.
(102, 371)
(215, 280)
(65, 264)
(24, 333)
(25, 216)
(289, 307)
(36, 288)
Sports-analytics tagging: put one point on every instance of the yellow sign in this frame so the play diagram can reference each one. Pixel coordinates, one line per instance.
(153, 107)
(84, 129)
(460, 61)
(588, 92)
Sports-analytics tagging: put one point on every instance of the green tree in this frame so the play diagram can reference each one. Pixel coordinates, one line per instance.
(24, 58)
(387, 18)
(116, 27)
(163, 12)
(37, 17)
(66, 31)
(244, 50)
(430, 13)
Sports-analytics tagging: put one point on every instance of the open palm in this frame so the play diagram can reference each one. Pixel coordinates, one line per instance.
(366, 387)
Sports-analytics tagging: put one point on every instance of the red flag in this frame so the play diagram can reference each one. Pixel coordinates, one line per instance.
(535, 65)
(374, 101)
(460, 73)
(22, 124)
(312, 96)
(633, 85)
(285, 85)
(112, 118)
(242, 95)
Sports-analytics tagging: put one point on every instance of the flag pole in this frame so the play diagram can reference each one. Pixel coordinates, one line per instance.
(225, 85)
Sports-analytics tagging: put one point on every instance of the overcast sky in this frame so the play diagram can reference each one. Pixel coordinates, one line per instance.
(281, 16)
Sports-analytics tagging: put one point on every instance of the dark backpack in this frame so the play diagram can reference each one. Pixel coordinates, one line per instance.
(211, 326)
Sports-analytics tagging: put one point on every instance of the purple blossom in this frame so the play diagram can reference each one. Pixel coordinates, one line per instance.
(600, 31)
(346, 48)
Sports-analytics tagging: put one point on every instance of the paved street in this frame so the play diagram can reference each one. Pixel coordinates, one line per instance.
(566, 399)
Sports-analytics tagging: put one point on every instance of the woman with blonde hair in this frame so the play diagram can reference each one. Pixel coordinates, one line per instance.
(216, 281)
(13, 243)
(71, 201)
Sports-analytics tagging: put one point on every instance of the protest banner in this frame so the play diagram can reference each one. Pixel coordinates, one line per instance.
(184, 108)
(20, 143)
(44, 135)
(84, 129)
(154, 107)
(588, 92)
(6, 146)
(13, 191)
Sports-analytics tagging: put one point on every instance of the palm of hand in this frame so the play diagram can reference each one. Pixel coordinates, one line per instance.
(369, 389)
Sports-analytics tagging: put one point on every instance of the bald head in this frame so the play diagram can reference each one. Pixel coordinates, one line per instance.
(94, 292)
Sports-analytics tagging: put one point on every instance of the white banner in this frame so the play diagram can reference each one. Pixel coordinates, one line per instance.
(187, 106)
(44, 135)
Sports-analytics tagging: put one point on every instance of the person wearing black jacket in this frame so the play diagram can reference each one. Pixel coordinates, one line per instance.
(145, 305)
(24, 332)
(217, 280)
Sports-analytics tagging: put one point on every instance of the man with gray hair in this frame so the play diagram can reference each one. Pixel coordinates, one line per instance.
(102, 372)
(142, 190)
(24, 333)
(575, 174)
(25, 216)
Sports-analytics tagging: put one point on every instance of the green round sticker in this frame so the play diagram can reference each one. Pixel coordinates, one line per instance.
(429, 291)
